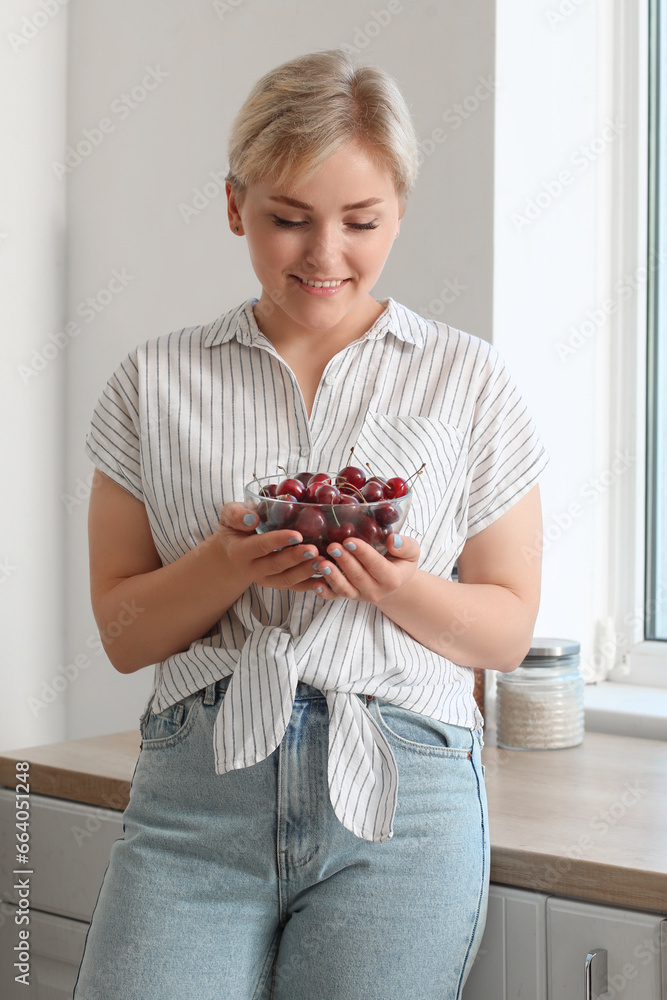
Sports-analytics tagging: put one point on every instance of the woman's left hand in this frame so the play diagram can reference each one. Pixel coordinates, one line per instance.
(357, 571)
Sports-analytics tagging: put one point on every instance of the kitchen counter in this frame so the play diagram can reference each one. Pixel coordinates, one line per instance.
(589, 822)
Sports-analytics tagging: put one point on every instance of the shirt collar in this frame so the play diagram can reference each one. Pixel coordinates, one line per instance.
(241, 324)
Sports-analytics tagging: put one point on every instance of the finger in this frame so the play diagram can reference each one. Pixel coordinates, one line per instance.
(402, 546)
(239, 517)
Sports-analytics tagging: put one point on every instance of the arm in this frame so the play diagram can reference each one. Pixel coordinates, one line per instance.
(484, 620)
(146, 611)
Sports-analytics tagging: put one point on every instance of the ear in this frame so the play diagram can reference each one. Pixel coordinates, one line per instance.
(233, 210)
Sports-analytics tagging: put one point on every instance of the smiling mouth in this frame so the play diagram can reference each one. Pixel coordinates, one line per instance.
(329, 283)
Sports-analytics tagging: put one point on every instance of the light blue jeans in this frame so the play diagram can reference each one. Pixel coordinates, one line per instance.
(245, 886)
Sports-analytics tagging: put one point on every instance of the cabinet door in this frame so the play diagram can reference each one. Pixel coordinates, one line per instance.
(511, 963)
(55, 950)
(631, 939)
(70, 846)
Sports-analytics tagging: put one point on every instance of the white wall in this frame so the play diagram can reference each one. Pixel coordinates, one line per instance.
(33, 583)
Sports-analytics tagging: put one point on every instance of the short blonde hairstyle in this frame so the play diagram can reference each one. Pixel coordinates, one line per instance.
(302, 112)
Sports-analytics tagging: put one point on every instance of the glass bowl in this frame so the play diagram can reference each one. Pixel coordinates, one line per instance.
(320, 524)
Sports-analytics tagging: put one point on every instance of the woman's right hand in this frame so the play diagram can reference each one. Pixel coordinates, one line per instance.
(277, 559)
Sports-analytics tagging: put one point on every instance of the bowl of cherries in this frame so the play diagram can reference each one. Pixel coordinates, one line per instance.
(325, 507)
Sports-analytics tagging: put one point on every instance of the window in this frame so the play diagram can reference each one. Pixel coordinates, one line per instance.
(656, 427)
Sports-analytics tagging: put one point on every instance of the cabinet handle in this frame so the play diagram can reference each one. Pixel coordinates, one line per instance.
(595, 973)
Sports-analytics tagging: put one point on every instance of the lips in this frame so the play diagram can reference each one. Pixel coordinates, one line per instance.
(321, 282)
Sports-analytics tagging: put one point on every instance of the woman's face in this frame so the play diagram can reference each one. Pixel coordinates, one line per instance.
(336, 229)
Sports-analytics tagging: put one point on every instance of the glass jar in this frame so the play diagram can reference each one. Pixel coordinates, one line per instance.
(540, 705)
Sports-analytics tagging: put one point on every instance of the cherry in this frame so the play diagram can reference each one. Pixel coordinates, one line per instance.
(347, 498)
(372, 491)
(387, 513)
(293, 486)
(319, 477)
(310, 522)
(370, 531)
(395, 488)
(339, 532)
(304, 477)
(353, 475)
(283, 513)
(325, 493)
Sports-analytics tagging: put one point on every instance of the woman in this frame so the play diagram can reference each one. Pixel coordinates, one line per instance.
(307, 816)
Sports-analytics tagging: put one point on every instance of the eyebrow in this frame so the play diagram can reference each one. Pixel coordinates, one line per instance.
(309, 208)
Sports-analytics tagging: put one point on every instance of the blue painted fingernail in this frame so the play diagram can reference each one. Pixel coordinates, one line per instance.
(249, 519)
(318, 590)
(315, 565)
(326, 570)
(294, 541)
(307, 555)
(350, 546)
(398, 541)
(336, 552)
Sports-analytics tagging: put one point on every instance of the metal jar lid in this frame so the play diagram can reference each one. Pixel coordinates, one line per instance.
(549, 649)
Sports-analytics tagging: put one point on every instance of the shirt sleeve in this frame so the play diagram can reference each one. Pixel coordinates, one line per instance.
(506, 455)
(113, 442)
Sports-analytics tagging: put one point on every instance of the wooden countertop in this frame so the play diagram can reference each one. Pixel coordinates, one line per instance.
(589, 822)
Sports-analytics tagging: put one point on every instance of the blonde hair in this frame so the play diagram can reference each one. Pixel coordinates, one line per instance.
(303, 111)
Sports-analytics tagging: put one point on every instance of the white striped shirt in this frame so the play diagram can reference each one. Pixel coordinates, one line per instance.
(188, 417)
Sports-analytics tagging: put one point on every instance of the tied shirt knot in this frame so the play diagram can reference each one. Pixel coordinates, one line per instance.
(258, 702)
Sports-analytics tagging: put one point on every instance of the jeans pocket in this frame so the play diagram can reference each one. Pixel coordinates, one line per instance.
(420, 733)
(160, 730)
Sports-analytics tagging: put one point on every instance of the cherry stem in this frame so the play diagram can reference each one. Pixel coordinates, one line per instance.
(417, 473)
(283, 469)
(334, 513)
(356, 489)
(261, 488)
(374, 473)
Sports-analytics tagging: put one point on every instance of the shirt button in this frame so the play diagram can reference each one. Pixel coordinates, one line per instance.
(330, 380)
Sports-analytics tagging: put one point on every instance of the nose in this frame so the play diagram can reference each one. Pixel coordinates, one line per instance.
(323, 248)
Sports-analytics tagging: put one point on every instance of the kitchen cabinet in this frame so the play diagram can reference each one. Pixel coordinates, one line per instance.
(70, 845)
(535, 947)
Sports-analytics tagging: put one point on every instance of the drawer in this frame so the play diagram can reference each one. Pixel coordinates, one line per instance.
(55, 947)
(70, 846)
(632, 940)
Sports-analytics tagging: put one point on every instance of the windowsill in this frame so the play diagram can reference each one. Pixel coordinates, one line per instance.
(626, 710)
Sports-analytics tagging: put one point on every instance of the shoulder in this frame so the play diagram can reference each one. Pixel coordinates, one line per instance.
(463, 356)
(192, 343)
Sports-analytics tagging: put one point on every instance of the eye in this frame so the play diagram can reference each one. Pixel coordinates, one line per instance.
(285, 223)
(363, 225)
